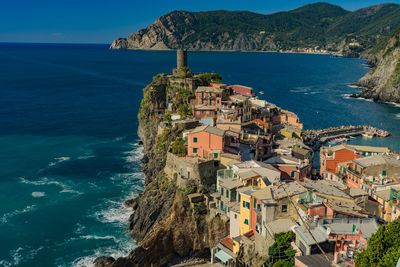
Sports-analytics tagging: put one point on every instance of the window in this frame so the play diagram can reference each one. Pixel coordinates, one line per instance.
(255, 203)
(194, 139)
(292, 174)
(215, 155)
(227, 193)
(235, 216)
(202, 94)
(222, 191)
(246, 221)
(210, 94)
(239, 197)
(194, 150)
(217, 101)
(384, 172)
(210, 101)
(202, 101)
(246, 204)
(284, 208)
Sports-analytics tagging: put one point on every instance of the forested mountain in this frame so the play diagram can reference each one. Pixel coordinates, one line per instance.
(321, 26)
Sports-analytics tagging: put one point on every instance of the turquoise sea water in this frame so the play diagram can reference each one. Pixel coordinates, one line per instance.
(68, 153)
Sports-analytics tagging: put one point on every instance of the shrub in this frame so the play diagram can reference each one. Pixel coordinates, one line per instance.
(179, 148)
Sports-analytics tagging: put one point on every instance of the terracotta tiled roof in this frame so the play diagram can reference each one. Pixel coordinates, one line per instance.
(227, 242)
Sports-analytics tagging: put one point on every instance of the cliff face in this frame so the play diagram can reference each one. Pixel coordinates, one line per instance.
(382, 83)
(319, 25)
(162, 223)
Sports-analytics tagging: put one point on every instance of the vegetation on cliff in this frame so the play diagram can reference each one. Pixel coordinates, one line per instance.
(382, 83)
(383, 247)
(281, 253)
(320, 24)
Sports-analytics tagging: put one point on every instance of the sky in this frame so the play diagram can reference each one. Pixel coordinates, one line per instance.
(101, 21)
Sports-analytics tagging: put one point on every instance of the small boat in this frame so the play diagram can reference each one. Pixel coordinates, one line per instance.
(261, 92)
(368, 135)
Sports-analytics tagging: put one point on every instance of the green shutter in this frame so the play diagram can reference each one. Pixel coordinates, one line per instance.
(246, 221)
(384, 172)
(215, 155)
(202, 94)
(244, 204)
(255, 203)
(194, 139)
(292, 174)
(194, 150)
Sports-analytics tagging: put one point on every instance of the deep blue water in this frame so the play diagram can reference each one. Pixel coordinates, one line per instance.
(68, 153)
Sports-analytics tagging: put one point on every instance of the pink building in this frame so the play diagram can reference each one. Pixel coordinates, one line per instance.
(242, 90)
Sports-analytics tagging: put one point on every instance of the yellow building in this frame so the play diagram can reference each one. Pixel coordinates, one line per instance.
(245, 211)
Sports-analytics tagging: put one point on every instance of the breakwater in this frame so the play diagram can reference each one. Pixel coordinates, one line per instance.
(316, 138)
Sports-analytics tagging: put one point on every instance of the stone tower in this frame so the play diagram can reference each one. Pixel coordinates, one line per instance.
(181, 59)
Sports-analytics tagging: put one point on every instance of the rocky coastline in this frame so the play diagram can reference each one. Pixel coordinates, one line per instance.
(162, 224)
(382, 82)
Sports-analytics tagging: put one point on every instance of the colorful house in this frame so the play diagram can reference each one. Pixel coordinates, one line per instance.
(242, 90)
(288, 117)
(206, 142)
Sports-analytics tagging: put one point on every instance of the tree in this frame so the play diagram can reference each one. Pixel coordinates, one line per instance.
(167, 117)
(281, 253)
(383, 247)
(184, 111)
(179, 148)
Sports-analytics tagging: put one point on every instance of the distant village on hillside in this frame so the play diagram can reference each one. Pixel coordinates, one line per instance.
(252, 156)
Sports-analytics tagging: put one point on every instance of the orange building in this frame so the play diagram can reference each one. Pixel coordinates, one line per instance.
(290, 118)
(330, 157)
(206, 142)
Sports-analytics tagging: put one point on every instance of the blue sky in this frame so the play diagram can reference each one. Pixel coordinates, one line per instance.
(101, 21)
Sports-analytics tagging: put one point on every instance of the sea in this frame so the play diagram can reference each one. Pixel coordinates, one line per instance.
(69, 153)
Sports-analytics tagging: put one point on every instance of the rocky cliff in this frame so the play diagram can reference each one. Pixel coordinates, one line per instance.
(163, 224)
(382, 83)
(320, 25)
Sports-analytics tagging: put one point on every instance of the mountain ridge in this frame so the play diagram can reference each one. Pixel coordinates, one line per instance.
(321, 25)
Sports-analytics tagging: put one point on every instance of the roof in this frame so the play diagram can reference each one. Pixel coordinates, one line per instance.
(355, 192)
(223, 256)
(326, 188)
(314, 260)
(375, 149)
(230, 183)
(227, 242)
(319, 234)
(370, 161)
(209, 129)
(208, 89)
(286, 190)
(384, 194)
(347, 208)
(205, 107)
(367, 226)
(258, 122)
(280, 226)
(263, 194)
(301, 151)
(238, 98)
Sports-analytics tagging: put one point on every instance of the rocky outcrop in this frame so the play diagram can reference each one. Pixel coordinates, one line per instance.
(162, 224)
(382, 83)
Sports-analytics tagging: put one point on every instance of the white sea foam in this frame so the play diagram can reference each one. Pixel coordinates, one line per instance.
(300, 90)
(119, 138)
(20, 255)
(116, 213)
(38, 194)
(45, 181)
(398, 116)
(58, 160)
(8, 215)
(134, 155)
(395, 104)
(346, 96)
(354, 86)
(96, 237)
(79, 228)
